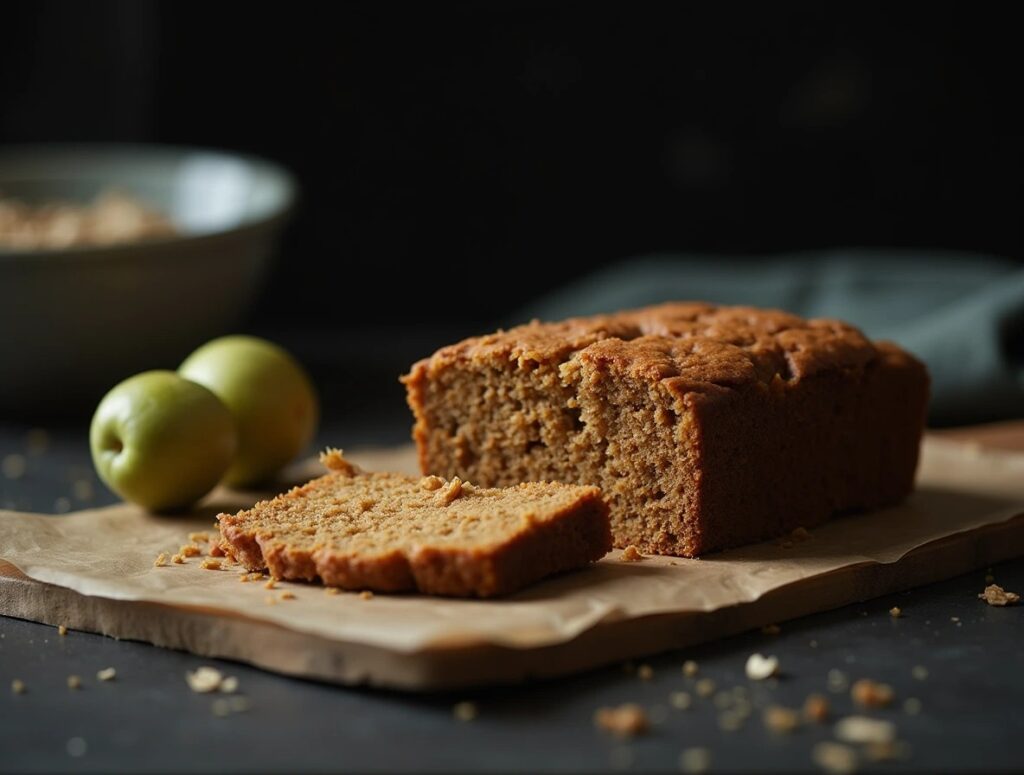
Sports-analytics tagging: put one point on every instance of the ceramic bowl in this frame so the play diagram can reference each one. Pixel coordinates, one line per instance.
(75, 321)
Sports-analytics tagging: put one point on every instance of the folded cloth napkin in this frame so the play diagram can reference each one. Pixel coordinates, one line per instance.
(962, 313)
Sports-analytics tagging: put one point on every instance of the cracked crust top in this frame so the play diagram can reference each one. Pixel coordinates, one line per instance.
(690, 343)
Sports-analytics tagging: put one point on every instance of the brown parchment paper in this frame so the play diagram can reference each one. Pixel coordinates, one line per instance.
(109, 553)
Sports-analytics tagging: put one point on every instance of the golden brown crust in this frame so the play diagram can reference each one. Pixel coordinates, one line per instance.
(695, 342)
(704, 426)
(392, 533)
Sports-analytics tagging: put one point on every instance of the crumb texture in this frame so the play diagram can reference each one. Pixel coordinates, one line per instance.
(705, 427)
(392, 533)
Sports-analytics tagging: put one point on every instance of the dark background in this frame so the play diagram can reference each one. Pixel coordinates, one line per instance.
(456, 159)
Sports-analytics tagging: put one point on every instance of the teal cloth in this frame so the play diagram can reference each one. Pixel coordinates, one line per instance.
(962, 313)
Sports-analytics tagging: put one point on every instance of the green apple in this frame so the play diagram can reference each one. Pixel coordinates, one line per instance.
(270, 396)
(161, 441)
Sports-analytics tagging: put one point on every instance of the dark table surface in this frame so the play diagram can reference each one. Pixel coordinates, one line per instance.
(956, 665)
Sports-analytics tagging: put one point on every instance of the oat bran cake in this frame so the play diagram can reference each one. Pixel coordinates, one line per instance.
(704, 426)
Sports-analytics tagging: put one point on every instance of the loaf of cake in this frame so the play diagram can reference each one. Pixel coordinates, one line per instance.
(393, 533)
(704, 426)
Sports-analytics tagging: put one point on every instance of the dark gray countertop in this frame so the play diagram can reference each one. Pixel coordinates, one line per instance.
(147, 720)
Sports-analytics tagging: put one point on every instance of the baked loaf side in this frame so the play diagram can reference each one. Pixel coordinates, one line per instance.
(393, 533)
(704, 426)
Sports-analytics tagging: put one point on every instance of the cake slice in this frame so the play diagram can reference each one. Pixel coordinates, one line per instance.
(394, 533)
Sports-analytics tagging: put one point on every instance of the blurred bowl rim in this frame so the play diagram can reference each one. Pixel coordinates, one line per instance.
(136, 248)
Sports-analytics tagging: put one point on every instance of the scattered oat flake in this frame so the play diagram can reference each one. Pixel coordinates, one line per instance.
(74, 682)
(270, 600)
(229, 685)
(705, 687)
(271, 584)
(287, 595)
(996, 595)
(895, 612)
(690, 668)
(178, 559)
(189, 550)
(920, 672)
(332, 591)
(816, 708)
(18, 686)
(13, 466)
(210, 564)
(780, 720)
(465, 711)
(835, 758)
(861, 729)
(631, 554)
(106, 674)
(771, 629)
(365, 594)
(680, 700)
(201, 537)
(204, 679)
(759, 667)
(645, 672)
(695, 760)
(62, 630)
(626, 720)
(161, 560)
(871, 694)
